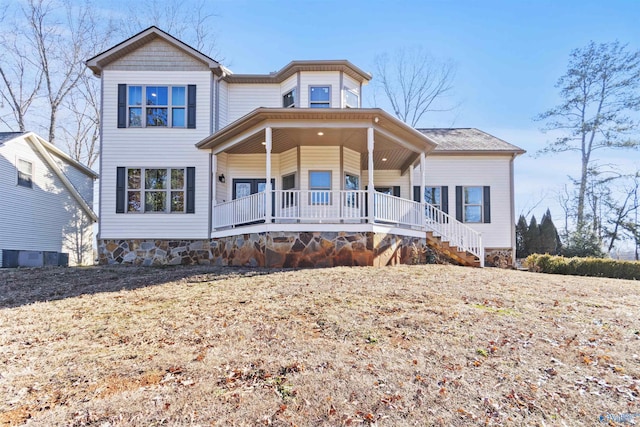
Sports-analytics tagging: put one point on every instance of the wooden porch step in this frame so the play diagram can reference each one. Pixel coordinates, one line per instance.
(451, 252)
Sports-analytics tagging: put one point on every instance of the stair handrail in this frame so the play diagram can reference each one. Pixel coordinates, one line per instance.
(455, 232)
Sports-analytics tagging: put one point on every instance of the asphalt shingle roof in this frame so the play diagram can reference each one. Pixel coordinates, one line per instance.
(6, 136)
(467, 139)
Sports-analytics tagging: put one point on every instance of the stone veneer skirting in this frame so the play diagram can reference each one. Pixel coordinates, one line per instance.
(498, 257)
(273, 249)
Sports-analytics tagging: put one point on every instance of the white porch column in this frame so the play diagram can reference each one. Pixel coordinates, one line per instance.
(411, 184)
(267, 187)
(423, 176)
(370, 187)
(214, 178)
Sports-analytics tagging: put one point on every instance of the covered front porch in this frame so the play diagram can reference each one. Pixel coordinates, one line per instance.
(333, 170)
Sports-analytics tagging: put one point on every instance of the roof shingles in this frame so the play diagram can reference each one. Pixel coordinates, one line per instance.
(467, 139)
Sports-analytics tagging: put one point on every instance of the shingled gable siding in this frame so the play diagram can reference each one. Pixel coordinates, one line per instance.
(469, 170)
(158, 55)
(154, 148)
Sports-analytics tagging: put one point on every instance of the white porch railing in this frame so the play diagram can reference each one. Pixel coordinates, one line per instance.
(453, 231)
(239, 211)
(396, 210)
(348, 206)
(319, 206)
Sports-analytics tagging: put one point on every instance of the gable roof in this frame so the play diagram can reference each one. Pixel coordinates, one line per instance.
(468, 140)
(308, 65)
(98, 62)
(8, 136)
(46, 150)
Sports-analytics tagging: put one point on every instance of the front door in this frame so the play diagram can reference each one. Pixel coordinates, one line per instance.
(243, 187)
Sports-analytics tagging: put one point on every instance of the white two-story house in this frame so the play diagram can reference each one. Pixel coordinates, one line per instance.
(286, 169)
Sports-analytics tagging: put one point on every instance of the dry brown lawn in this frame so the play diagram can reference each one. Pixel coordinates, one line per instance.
(397, 346)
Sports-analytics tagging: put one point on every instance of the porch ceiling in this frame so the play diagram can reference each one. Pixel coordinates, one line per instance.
(395, 142)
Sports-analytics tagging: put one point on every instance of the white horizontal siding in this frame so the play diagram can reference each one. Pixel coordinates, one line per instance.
(244, 98)
(223, 104)
(250, 166)
(221, 187)
(320, 159)
(154, 147)
(351, 164)
(389, 178)
(288, 165)
(320, 78)
(39, 218)
(288, 84)
(492, 171)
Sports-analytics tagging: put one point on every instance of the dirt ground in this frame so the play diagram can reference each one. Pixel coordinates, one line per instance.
(395, 346)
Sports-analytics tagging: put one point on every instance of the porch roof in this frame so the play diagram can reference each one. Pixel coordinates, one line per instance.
(397, 143)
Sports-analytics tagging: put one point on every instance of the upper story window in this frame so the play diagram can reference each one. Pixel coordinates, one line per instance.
(156, 106)
(25, 173)
(351, 98)
(289, 99)
(319, 96)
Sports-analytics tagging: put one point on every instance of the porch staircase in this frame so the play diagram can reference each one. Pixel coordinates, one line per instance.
(451, 252)
(453, 239)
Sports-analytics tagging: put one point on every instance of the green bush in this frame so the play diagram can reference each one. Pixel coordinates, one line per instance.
(596, 267)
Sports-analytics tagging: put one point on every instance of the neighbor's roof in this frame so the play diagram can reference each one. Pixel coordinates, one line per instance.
(466, 140)
(8, 136)
(98, 62)
(295, 66)
(46, 150)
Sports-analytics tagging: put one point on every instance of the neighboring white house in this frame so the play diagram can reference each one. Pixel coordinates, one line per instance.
(201, 165)
(46, 216)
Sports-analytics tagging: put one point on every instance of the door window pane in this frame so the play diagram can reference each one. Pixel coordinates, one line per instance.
(351, 182)
(243, 189)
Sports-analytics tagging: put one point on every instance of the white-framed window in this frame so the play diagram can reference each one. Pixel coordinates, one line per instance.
(433, 196)
(156, 190)
(289, 99)
(25, 173)
(320, 186)
(472, 200)
(156, 106)
(350, 98)
(319, 96)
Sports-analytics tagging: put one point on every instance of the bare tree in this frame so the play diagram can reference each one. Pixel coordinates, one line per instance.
(191, 24)
(599, 93)
(20, 79)
(415, 83)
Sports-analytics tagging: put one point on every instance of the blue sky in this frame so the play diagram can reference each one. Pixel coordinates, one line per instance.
(509, 55)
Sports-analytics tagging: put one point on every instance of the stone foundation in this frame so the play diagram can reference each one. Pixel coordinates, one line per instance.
(498, 257)
(273, 249)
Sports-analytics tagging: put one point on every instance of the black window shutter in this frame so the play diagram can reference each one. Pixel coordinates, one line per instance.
(396, 190)
(416, 193)
(122, 106)
(191, 190)
(487, 204)
(191, 106)
(121, 179)
(444, 198)
(459, 203)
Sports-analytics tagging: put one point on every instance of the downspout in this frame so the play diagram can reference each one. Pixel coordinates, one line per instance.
(513, 210)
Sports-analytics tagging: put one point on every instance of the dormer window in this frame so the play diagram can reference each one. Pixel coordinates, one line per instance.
(351, 98)
(289, 99)
(319, 96)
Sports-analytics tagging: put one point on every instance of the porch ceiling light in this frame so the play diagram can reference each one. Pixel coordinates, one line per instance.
(384, 159)
(320, 133)
(264, 143)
